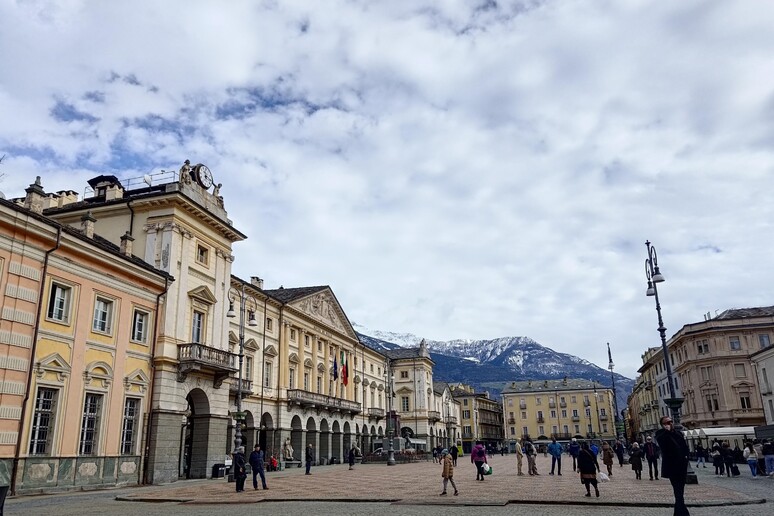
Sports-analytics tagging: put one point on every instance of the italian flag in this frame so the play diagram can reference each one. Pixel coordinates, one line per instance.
(344, 369)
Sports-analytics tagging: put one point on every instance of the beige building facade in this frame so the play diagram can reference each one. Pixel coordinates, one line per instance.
(565, 409)
(481, 418)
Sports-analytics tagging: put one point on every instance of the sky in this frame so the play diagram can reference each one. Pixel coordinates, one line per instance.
(455, 169)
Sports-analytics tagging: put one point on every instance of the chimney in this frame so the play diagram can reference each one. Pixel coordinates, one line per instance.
(35, 197)
(66, 197)
(126, 244)
(256, 282)
(87, 224)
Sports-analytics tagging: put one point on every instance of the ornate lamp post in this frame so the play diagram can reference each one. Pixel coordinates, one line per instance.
(654, 277)
(390, 378)
(610, 366)
(243, 298)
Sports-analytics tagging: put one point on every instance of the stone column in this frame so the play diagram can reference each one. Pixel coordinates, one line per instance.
(164, 447)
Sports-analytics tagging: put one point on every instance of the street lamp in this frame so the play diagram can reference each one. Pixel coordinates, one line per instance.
(654, 277)
(610, 366)
(390, 378)
(243, 298)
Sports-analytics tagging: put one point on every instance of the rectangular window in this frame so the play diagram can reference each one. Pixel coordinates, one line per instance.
(602, 412)
(404, 374)
(292, 379)
(739, 371)
(764, 341)
(577, 429)
(466, 414)
(269, 324)
(733, 343)
(306, 341)
(555, 429)
(588, 412)
(319, 385)
(590, 428)
(542, 430)
(129, 428)
(59, 303)
(538, 401)
(197, 327)
(248, 373)
(465, 402)
(702, 347)
(267, 374)
(292, 334)
(574, 412)
(744, 400)
(467, 430)
(573, 399)
(566, 429)
(202, 254)
(372, 368)
(103, 315)
(513, 431)
(43, 421)
(712, 402)
(90, 420)
(540, 414)
(604, 428)
(564, 413)
(706, 373)
(306, 381)
(140, 321)
(553, 414)
(404, 403)
(319, 346)
(524, 430)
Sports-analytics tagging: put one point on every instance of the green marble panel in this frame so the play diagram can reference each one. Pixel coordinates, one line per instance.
(66, 473)
(6, 466)
(109, 470)
(88, 470)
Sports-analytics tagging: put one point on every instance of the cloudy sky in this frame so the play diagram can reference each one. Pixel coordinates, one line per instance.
(452, 169)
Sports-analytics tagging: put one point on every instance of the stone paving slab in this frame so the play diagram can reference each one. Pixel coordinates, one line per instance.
(420, 483)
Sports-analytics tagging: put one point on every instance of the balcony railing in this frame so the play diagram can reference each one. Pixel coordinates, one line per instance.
(433, 415)
(376, 412)
(541, 419)
(320, 401)
(563, 404)
(195, 357)
(247, 387)
(576, 418)
(603, 417)
(747, 413)
(522, 405)
(450, 420)
(586, 403)
(511, 421)
(551, 404)
(467, 435)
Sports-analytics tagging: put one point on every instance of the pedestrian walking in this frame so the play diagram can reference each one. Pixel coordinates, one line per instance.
(588, 468)
(607, 457)
(635, 459)
(717, 460)
(751, 457)
(768, 456)
(519, 457)
(531, 452)
(758, 446)
(353, 452)
(478, 457)
(574, 450)
(619, 452)
(674, 461)
(555, 450)
(257, 465)
(454, 452)
(309, 458)
(728, 458)
(447, 473)
(700, 452)
(240, 469)
(652, 454)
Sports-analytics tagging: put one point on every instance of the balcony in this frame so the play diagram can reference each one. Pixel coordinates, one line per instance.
(467, 435)
(563, 404)
(376, 413)
(511, 421)
(198, 358)
(750, 413)
(308, 399)
(541, 419)
(603, 417)
(247, 387)
(433, 416)
(563, 436)
(522, 405)
(450, 420)
(575, 419)
(586, 403)
(551, 404)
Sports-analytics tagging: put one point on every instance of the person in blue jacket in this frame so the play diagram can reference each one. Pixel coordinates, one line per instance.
(574, 450)
(555, 450)
(257, 459)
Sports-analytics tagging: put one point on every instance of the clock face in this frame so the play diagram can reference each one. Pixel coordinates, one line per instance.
(203, 176)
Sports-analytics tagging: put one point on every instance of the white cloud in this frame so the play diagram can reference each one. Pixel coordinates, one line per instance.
(461, 170)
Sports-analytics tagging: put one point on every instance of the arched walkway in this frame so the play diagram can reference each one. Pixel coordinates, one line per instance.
(296, 438)
(312, 437)
(324, 451)
(336, 442)
(347, 439)
(194, 436)
(265, 432)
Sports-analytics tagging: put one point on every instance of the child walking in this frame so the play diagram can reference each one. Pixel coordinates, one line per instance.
(448, 472)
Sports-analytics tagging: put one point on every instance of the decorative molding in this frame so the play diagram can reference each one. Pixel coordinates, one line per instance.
(308, 363)
(8, 437)
(12, 388)
(14, 363)
(103, 347)
(23, 293)
(270, 351)
(293, 358)
(203, 294)
(53, 363)
(324, 308)
(15, 339)
(10, 412)
(24, 270)
(320, 368)
(19, 316)
(137, 378)
(98, 370)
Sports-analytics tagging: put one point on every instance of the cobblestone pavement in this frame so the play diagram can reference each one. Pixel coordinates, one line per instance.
(410, 489)
(420, 483)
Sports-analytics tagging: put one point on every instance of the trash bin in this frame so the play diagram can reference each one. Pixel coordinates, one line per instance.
(218, 470)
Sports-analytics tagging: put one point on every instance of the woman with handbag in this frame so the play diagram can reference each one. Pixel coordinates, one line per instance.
(478, 457)
(588, 468)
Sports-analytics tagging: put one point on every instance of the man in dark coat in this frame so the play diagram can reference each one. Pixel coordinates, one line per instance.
(309, 458)
(453, 451)
(674, 461)
(651, 451)
(256, 464)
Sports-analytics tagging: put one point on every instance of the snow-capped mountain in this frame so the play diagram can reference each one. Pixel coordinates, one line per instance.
(491, 364)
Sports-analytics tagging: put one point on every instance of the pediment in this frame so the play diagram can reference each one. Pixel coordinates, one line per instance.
(357, 378)
(138, 379)
(53, 363)
(324, 307)
(293, 358)
(320, 368)
(99, 371)
(270, 351)
(203, 294)
(251, 344)
(308, 363)
(743, 384)
(404, 390)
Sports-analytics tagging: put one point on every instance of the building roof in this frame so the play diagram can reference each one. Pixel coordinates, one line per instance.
(96, 241)
(287, 295)
(743, 313)
(402, 353)
(566, 384)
